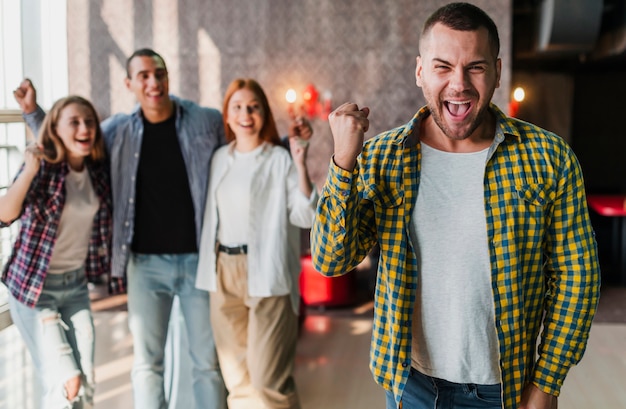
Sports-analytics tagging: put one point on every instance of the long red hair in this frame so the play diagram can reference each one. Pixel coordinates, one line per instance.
(268, 132)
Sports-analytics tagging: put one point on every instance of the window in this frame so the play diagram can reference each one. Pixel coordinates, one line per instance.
(12, 141)
(32, 37)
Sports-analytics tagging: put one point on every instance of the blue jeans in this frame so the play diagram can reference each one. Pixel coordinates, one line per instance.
(153, 282)
(59, 334)
(424, 392)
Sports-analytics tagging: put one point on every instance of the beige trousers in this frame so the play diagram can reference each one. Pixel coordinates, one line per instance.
(255, 338)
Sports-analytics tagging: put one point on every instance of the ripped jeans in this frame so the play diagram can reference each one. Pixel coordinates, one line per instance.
(59, 334)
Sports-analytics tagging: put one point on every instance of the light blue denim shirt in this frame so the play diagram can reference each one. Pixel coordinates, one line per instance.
(200, 132)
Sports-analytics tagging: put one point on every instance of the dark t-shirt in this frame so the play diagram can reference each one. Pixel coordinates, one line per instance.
(164, 215)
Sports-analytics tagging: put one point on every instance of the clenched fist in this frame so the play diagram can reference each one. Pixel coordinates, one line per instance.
(348, 125)
(26, 96)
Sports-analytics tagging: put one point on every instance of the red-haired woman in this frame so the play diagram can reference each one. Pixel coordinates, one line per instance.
(259, 197)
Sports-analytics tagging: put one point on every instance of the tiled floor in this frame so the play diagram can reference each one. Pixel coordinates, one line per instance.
(331, 367)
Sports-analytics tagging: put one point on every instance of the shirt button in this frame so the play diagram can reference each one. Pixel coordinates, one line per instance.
(123, 246)
(404, 364)
(131, 200)
(345, 193)
(127, 224)
(136, 154)
(344, 179)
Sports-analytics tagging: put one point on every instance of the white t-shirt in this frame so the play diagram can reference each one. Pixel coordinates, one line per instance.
(233, 199)
(76, 224)
(454, 334)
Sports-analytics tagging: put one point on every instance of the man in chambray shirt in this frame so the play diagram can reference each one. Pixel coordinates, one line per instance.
(160, 157)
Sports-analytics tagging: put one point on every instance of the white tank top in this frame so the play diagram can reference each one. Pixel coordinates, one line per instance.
(454, 334)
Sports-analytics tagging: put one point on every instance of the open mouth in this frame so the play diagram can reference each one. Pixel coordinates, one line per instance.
(84, 142)
(458, 108)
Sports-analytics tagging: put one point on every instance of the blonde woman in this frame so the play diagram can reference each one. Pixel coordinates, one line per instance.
(61, 198)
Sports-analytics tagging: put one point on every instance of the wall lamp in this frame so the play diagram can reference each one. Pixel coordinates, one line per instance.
(312, 104)
(518, 96)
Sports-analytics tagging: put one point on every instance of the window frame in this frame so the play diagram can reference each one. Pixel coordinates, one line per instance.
(8, 116)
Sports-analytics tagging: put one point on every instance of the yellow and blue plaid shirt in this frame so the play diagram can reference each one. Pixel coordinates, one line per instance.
(545, 272)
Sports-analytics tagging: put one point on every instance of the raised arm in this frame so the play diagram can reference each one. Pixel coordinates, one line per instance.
(26, 96)
(344, 228)
(299, 149)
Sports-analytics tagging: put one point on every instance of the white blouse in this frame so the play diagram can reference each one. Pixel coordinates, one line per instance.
(277, 211)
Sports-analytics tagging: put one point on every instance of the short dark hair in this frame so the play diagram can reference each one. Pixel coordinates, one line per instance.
(143, 52)
(464, 17)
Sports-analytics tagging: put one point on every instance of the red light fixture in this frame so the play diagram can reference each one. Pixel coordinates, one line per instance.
(311, 106)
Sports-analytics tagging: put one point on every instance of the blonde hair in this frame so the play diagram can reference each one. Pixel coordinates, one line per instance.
(53, 149)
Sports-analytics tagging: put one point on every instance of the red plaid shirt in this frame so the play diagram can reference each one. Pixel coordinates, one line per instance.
(25, 270)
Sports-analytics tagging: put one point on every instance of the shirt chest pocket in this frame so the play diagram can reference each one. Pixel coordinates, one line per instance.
(520, 212)
(523, 205)
(534, 194)
(522, 195)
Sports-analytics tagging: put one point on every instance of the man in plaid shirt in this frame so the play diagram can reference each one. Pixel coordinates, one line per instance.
(484, 235)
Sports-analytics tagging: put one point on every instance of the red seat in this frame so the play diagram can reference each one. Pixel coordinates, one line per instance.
(317, 290)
